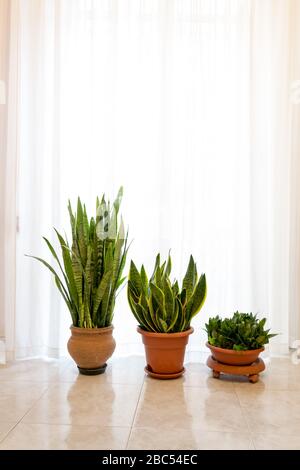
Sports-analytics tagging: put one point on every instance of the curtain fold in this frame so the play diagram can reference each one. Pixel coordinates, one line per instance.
(9, 138)
(294, 127)
(188, 105)
(4, 36)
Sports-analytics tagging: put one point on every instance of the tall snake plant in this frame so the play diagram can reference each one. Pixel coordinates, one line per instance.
(158, 304)
(91, 267)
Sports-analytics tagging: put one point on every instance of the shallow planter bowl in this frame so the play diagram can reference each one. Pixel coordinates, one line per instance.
(235, 358)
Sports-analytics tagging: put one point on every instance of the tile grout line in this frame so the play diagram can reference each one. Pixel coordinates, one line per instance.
(134, 414)
(251, 434)
(245, 418)
(19, 421)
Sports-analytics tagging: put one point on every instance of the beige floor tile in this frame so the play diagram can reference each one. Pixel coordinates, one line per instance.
(128, 370)
(172, 439)
(16, 398)
(275, 442)
(280, 374)
(276, 418)
(31, 390)
(171, 405)
(199, 375)
(253, 396)
(64, 437)
(55, 404)
(35, 370)
(281, 382)
(14, 407)
(283, 365)
(4, 429)
(86, 403)
(271, 380)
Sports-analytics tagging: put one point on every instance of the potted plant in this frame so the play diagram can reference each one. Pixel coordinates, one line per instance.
(88, 278)
(236, 343)
(164, 313)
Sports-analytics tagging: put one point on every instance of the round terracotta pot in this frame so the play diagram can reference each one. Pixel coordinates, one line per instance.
(165, 352)
(234, 358)
(91, 348)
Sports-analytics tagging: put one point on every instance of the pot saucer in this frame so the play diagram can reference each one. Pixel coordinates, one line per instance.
(97, 371)
(164, 376)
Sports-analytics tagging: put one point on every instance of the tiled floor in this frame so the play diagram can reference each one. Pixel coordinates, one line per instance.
(45, 404)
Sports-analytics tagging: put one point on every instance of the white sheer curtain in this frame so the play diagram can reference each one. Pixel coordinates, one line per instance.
(187, 105)
(9, 33)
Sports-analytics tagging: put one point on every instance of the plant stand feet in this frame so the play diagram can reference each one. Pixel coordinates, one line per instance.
(253, 378)
(251, 371)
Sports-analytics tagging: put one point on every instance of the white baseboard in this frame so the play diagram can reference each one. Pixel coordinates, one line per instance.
(2, 351)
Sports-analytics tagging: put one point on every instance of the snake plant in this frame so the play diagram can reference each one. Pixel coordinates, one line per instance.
(91, 267)
(158, 304)
(241, 332)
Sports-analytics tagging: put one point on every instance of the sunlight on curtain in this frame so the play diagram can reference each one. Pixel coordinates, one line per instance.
(184, 103)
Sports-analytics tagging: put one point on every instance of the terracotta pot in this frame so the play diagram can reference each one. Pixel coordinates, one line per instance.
(165, 352)
(235, 358)
(91, 348)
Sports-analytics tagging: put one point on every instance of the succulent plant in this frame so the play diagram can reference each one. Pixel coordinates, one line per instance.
(91, 267)
(242, 332)
(158, 304)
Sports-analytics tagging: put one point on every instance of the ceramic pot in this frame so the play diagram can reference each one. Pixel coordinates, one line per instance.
(165, 352)
(234, 358)
(91, 348)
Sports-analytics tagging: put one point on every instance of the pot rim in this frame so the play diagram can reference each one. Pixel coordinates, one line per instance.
(89, 331)
(153, 334)
(233, 351)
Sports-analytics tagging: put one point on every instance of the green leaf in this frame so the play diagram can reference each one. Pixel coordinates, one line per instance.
(152, 313)
(146, 319)
(198, 298)
(105, 307)
(135, 278)
(78, 279)
(189, 278)
(175, 288)
(177, 308)
(90, 261)
(80, 232)
(159, 298)
(169, 299)
(68, 268)
(144, 280)
(102, 288)
(243, 331)
(72, 220)
(183, 297)
(108, 258)
(168, 267)
(118, 200)
(156, 266)
(120, 282)
(163, 325)
(133, 307)
(53, 252)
